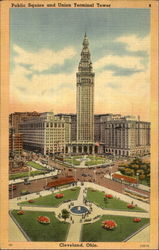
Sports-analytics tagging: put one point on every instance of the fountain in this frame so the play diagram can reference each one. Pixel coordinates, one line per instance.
(79, 210)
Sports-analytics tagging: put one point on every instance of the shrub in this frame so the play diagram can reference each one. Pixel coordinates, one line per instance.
(58, 196)
(137, 219)
(31, 201)
(109, 224)
(43, 219)
(109, 196)
(130, 206)
(21, 212)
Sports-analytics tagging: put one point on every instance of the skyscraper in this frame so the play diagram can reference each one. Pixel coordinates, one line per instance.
(85, 96)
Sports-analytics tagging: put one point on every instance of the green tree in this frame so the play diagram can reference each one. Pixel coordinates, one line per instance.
(121, 169)
(129, 171)
(65, 214)
(135, 167)
(142, 177)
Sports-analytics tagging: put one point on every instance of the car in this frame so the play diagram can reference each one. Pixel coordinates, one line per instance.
(54, 177)
(85, 175)
(24, 192)
(12, 187)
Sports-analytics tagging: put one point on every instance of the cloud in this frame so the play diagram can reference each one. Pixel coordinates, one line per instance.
(126, 62)
(135, 43)
(48, 89)
(120, 71)
(123, 94)
(44, 58)
(120, 82)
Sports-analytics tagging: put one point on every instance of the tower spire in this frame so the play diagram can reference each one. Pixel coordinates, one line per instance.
(85, 64)
(85, 40)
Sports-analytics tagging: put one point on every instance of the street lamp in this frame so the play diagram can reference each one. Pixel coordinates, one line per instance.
(12, 190)
(95, 175)
(72, 160)
(137, 174)
(75, 173)
(46, 181)
(110, 169)
(122, 184)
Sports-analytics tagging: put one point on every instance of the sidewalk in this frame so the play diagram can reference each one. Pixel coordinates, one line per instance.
(14, 232)
(143, 187)
(31, 178)
(143, 236)
(75, 230)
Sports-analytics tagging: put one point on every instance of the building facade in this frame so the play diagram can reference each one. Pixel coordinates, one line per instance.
(127, 137)
(47, 134)
(16, 118)
(15, 142)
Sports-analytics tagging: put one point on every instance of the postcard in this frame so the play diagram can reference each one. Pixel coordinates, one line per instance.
(79, 124)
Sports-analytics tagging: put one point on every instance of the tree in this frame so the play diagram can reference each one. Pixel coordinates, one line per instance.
(142, 177)
(121, 169)
(65, 214)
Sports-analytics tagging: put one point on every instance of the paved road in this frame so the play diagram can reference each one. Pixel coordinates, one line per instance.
(94, 175)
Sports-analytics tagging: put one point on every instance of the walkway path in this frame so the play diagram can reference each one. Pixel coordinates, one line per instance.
(75, 230)
(14, 233)
(77, 221)
(142, 236)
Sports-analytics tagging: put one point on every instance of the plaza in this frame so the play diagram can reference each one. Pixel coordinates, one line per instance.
(78, 225)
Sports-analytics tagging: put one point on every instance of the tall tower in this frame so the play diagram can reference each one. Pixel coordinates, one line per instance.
(85, 96)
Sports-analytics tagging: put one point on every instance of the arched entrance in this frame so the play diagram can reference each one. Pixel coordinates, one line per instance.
(80, 149)
(74, 149)
(85, 149)
(90, 149)
(66, 149)
(96, 149)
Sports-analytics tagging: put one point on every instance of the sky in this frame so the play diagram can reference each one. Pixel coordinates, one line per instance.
(45, 47)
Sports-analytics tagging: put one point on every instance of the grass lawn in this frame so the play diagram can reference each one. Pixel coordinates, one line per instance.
(50, 200)
(35, 165)
(26, 174)
(96, 158)
(94, 162)
(97, 197)
(125, 227)
(74, 161)
(55, 231)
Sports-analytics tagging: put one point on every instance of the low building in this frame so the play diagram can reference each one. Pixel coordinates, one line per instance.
(60, 182)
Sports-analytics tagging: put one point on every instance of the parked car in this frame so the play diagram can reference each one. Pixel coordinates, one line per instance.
(24, 192)
(12, 187)
(85, 175)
